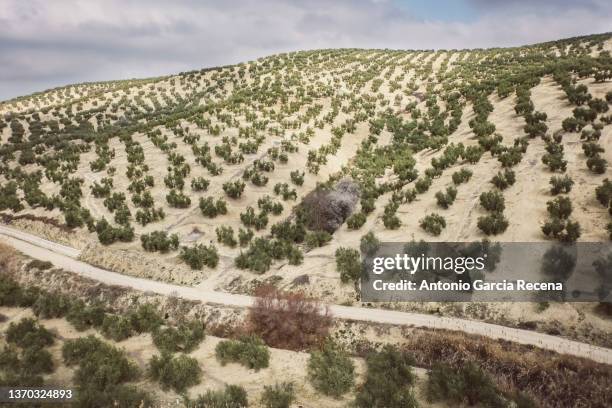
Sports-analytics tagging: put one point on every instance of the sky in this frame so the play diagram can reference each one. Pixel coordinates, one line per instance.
(49, 43)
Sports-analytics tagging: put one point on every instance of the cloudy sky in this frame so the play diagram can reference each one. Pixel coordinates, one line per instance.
(48, 43)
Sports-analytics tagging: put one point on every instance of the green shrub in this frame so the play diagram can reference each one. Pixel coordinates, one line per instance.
(245, 236)
(83, 316)
(199, 255)
(423, 184)
(560, 207)
(250, 351)
(561, 184)
(116, 327)
(492, 201)
(107, 234)
(28, 333)
(145, 318)
(159, 241)
(40, 265)
(446, 199)
(317, 239)
(462, 176)
(11, 294)
(233, 396)
(468, 384)
(369, 244)
(493, 224)
(101, 368)
(389, 380)
(200, 184)
(433, 224)
(348, 263)
(331, 371)
(603, 193)
(178, 199)
(597, 164)
(504, 179)
(211, 209)
(225, 235)
(297, 177)
(177, 373)
(356, 220)
(267, 205)
(50, 305)
(563, 230)
(279, 395)
(185, 337)
(234, 189)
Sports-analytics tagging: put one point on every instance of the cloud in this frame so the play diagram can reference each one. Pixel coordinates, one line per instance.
(49, 43)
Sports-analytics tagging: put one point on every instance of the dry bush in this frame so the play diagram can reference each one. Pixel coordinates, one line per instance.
(551, 379)
(326, 209)
(9, 259)
(288, 320)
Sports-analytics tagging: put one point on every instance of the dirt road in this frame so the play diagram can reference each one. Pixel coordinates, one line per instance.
(65, 257)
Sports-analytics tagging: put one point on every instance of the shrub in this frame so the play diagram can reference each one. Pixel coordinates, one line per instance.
(564, 230)
(468, 384)
(83, 316)
(317, 239)
(331, 371)
(200, 184)
(177, 373)
(278, 396)
(504, 179)
(288, 320)
(433, 224)
(603, 193)
(356, 220)
(493, 224)
(116, 327)
(185, 337)
(211, 209)
(369, 244)
(250, 351)
(28, 333)
(348, 263)
(423, 184)
(492, 201)
(159, 241)
(389, 380)
(107, 234)
(233, 396)
(472, 154)
(234, 189)
(597, 164)
(101, 367)
(146, 318)
(245, 236)
(51, 305)
(178, 199)
(199, 255)
(297, 177)
(560, 207)
(225, 235)
(560, 184)
(462, 176)
(267, 205)
(446, 199)
(11, 294)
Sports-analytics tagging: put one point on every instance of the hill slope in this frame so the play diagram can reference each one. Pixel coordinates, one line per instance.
(224, 156)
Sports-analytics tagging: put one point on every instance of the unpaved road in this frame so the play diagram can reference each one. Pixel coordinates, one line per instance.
(64, 257)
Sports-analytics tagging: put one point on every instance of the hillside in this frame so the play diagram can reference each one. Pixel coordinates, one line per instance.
(146, 175)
